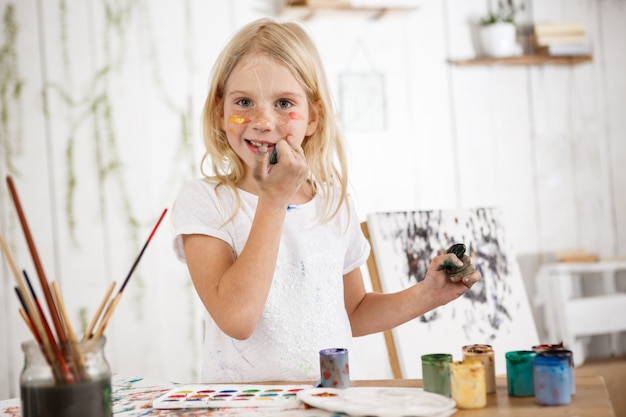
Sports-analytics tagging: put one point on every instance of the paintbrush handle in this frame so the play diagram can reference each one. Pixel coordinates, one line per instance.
(22, 291)
(143, 249)
(38, 320)
(64, 316)
(29, 323)
(35, 255)
(107, 315)
(88, 332)
(76, 354)
(48, 353)
(113, 303)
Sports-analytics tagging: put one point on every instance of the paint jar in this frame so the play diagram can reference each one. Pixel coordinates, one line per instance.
(519, 373)
(551, 374)
(559, 347)
(334, 368)
(543, 347)
(485, 354)
(43, 394)
(436, 373)
(467, 383)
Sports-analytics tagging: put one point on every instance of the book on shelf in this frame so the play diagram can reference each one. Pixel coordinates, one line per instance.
(545, 40)
(564, 38)
(560, 29)
(564, 50)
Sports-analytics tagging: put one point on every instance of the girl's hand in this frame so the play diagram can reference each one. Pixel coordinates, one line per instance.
(440, 287)
(282, 179)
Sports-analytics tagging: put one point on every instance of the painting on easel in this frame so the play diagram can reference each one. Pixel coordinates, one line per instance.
(496, 311)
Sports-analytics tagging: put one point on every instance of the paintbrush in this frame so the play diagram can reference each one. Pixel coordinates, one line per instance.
(114, 301)
(49, 347)
(54, 314)
(57, 351)
(89, 331)
(26, 316)
(76, 354)
(47, 354)
(29, 323)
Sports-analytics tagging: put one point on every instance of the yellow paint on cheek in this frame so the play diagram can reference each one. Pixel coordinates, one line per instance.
(231, 131)
(237, 119)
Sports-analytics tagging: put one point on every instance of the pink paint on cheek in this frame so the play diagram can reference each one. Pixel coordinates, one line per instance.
(295, 116)
(238, 120)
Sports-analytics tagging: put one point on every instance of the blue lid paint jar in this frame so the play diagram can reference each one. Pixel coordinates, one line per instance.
(559, 347)
(519, 373)
(552, 378)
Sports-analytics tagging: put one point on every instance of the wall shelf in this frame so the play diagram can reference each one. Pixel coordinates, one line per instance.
(524, 60)
(308, 11)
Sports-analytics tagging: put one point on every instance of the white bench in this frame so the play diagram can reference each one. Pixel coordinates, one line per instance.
(572, 314)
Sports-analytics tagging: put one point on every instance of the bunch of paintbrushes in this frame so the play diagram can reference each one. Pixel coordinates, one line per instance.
(61, 351)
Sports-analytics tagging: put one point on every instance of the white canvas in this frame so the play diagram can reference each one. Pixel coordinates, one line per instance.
(496, 311)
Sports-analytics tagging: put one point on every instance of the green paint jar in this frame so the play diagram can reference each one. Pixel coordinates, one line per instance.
(519, 373)
(436, 373)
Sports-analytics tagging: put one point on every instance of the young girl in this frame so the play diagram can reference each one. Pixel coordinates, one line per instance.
(272, 240)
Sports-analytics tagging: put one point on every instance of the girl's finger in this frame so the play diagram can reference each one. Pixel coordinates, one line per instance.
(260, 166)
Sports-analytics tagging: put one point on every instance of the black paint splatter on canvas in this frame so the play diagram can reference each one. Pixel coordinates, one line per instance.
(420, 235)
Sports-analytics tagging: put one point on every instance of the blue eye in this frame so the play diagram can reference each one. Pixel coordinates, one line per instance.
(283, 104)
(244, 102)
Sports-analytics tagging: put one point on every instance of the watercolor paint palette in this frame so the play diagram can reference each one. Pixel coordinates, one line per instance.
(226, 396)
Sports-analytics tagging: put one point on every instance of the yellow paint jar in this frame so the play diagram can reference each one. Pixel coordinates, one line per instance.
(467, 383)
(484, 353)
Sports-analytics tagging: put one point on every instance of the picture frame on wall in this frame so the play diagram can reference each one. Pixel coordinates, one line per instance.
(362, 101)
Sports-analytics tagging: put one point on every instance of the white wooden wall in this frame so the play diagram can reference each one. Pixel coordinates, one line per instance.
(105, 126)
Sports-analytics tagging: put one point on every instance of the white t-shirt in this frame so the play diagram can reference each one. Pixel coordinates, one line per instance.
(304, 311)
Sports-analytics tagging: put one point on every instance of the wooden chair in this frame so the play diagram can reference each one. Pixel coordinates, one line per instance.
(575, 310)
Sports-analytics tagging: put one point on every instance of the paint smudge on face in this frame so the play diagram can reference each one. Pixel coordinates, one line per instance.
(295, 116)
(238, 120)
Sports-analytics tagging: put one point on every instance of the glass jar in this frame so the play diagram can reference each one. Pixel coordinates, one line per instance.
(519, 373)
(467, 384)
(485, 354)
(436, 373)
(43, 394)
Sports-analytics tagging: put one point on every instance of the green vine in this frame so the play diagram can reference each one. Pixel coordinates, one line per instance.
(11, 86)
(92, 109)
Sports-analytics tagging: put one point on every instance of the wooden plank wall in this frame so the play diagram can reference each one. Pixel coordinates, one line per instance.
(101, 112)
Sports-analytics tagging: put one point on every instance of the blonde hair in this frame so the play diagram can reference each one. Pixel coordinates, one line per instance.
(290, 45)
